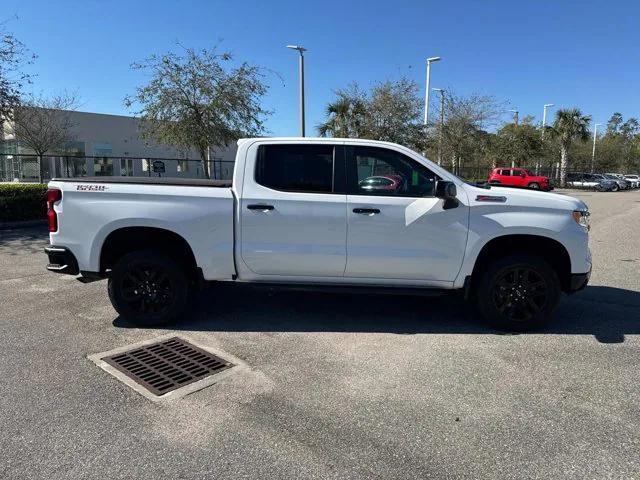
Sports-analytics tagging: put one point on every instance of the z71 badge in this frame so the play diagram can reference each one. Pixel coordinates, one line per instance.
(91, 188)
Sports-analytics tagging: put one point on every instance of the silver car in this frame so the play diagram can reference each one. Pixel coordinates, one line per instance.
(634, 180)
(619, 179)
(593, 181)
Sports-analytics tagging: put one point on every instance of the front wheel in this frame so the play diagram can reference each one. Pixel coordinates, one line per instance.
(518, 293)
(534, 186)
(615, 188)
(148, 288)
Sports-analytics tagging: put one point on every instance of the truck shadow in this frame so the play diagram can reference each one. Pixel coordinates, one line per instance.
(604, 312)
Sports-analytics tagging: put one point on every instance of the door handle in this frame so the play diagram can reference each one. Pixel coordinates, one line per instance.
(262, 208)
(366, 211)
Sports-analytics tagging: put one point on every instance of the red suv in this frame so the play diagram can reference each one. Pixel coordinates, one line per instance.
(518, 177)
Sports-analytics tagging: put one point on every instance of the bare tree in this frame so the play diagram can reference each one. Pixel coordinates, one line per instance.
(196, 101)
(466, 120)
(13, 56)
(44, 125)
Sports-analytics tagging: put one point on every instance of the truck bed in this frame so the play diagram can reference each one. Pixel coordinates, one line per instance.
(187, 182)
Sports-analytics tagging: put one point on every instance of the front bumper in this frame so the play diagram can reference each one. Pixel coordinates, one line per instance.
(61, 260)
(579, 281)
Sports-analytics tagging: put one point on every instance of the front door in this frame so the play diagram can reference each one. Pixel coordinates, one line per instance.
(396, 227)
(293, 219)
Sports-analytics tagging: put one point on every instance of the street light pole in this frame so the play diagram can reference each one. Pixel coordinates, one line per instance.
(515, 122)
(430, 60)
(441, 124)
(593, 152)
(544, 123)
(544, 117)
(301, 51)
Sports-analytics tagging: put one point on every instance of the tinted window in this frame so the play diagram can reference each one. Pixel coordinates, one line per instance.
(378, 171)
(296, 168)
(505, 173)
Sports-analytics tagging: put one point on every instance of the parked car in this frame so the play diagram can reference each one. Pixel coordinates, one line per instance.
(297, 215)
(619, 179)
(634, 180)
(592, 181)
(518, 177)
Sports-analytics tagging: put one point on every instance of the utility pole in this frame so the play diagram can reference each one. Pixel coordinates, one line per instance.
(430, 60)
(593, 152)
(441, 132)
(301, 51)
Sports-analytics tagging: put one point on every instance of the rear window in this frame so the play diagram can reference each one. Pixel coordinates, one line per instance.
(296, 168)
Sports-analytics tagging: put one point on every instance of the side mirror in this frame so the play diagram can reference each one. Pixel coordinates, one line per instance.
(446, 190)
(523, 175)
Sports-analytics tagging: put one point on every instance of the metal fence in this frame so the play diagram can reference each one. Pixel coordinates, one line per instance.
(25, 168)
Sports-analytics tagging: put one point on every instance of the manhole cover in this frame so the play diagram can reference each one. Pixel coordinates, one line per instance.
(167, 365)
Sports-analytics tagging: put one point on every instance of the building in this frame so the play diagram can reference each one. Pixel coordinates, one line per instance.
(105, 145)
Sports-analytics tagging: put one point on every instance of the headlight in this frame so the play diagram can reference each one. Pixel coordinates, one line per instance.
(582, 218)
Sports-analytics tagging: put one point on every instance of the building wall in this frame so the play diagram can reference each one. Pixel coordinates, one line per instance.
(114, 137)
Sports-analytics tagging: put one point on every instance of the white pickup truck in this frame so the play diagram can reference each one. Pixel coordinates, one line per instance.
(323, 213)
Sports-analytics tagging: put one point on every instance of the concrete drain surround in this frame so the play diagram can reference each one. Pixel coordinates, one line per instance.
(169, 367)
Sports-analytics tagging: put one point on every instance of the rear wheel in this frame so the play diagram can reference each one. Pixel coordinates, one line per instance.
(518, 293)
(534, 186)
(148, 288)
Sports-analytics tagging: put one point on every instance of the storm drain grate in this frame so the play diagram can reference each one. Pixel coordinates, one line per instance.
(167, 365)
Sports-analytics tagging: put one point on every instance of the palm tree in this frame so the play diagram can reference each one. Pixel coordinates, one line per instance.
(569, 125)
(346, 117)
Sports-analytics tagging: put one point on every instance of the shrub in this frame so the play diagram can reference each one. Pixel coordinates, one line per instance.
(22, 201)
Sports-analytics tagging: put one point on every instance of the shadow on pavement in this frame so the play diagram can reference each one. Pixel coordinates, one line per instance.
(24, 240)
(607, 313)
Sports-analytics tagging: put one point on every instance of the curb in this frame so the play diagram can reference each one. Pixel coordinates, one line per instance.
(22, 224)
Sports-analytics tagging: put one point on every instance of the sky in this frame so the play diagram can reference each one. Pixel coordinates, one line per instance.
(528, 53)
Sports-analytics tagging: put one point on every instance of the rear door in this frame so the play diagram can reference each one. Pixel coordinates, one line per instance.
(292, 210)
(404, 233)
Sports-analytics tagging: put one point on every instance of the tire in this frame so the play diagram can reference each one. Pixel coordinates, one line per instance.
(615, 188)
(534, 186)
(511, 306)
(149, 288)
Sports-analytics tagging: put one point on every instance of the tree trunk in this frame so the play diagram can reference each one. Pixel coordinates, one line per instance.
(205, 162)
(39, 168)
(563, 165)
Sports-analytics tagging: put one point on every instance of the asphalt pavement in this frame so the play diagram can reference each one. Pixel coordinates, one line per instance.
(337, 386)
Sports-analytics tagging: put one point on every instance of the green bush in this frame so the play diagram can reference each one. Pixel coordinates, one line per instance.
(22, 201)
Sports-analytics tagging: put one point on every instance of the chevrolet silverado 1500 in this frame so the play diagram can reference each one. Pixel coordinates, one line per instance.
(322, 213)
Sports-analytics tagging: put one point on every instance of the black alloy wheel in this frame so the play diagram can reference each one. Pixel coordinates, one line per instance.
(149, 288)
(518, 292)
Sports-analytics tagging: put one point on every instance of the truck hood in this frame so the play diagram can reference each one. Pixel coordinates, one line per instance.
(522, 197)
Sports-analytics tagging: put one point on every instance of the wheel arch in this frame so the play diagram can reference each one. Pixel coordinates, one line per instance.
(554, 252)
(128, 239)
